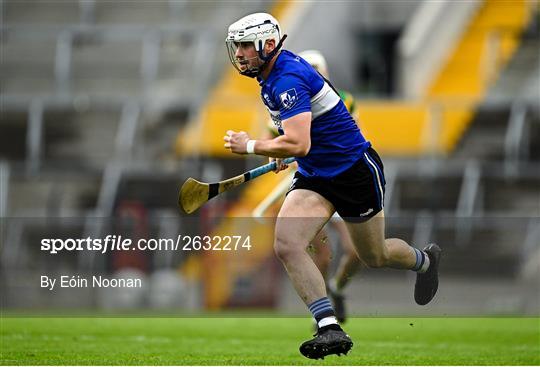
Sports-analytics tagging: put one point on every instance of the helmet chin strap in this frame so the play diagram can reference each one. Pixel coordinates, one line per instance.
(254, 72)
(273, 52)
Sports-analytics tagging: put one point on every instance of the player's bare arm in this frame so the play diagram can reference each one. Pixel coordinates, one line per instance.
(295, 142)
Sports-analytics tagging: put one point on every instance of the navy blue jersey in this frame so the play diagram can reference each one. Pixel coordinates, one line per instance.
(293, 87)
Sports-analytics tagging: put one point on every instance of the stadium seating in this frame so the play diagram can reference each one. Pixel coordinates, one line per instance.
(98, 104)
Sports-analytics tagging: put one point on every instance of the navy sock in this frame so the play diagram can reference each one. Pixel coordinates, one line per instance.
(321, 308)
(422, 261)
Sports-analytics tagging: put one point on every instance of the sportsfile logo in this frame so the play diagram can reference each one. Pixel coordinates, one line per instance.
(288, 98)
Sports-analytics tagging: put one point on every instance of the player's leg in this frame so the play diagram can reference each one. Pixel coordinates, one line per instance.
(301, 217)
(376, 251)
(349, 264)
(321, 253)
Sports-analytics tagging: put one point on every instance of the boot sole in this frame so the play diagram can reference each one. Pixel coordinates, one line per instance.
(319, 351)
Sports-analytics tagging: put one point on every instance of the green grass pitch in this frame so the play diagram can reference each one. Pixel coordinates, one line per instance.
(268, 341)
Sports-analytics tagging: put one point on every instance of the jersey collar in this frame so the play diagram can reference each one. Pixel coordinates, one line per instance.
(274, 67)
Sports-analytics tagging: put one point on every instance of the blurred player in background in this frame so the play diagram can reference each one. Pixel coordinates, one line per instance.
(349, 262)
(338, 171)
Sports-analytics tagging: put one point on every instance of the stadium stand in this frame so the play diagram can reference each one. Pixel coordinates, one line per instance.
(470, 183)
(102, 106)
(92, 93)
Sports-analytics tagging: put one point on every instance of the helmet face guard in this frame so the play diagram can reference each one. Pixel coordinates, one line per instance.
(255, 29)
(243, 65)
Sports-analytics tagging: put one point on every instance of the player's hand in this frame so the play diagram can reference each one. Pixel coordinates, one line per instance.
(236, 142)
(280, 166)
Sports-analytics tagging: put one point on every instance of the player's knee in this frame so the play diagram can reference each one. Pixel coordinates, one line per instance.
(284, 247)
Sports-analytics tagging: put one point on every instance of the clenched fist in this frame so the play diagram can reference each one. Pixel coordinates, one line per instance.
(236, 142)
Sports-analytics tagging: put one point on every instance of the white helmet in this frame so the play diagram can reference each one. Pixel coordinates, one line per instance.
(317, 60)
(255, 28)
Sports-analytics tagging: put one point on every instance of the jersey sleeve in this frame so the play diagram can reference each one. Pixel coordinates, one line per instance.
(291, 94)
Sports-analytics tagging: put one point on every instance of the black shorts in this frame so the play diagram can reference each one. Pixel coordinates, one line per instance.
(357, 193)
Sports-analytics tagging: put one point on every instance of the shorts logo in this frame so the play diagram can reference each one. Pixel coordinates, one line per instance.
(288, 98)
(370, 210)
